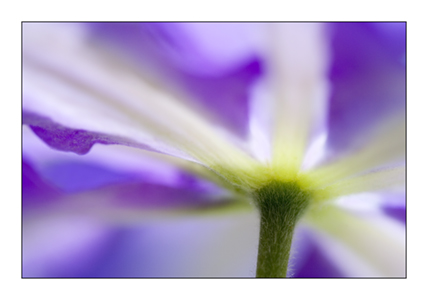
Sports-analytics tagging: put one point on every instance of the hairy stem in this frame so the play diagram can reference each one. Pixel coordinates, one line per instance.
(280, 204)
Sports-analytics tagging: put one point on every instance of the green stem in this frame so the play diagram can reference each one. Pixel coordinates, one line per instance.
(280, 204)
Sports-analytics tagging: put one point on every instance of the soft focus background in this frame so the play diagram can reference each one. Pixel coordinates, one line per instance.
(120, 212)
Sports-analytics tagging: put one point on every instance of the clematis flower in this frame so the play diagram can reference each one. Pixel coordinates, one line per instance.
(213, 149)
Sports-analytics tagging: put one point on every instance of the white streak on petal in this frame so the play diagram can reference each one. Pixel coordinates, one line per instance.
(261, 110)
(298, 67)
(366, 203)
(384, 146)
(316, 151)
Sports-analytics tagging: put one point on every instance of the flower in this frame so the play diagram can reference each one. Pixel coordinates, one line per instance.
(319, 105)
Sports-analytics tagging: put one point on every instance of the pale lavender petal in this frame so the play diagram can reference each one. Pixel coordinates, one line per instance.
(61, 246)
(368, 77)
(173, 52)
(51, 243)
(180, 248)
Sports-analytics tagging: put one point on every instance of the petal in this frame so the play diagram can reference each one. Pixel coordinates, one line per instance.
(36, 192)
(212, 62)
(387, 204)
(58, 246)
(308, 259)
(138, 183)
(362, 247)
(368, 77)
(396, 212)
(81, 86)
(74, 232)
(132, 202)
(213, 247)
(55, 246)
(73, 140)
(261, 122)
(130, 162)
(380, 180)
(150, 166)
(298, 65)
(383, 147)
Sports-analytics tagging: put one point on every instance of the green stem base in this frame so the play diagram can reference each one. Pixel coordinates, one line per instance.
(280, 204)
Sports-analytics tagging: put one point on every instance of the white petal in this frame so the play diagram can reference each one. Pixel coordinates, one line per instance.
(298, 67)
(363, 203)
(80, 85)
(260, 118)
(383, 147)
(362, 247)
(392, 179)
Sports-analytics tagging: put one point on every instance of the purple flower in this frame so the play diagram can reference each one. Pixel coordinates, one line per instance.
(179, 125)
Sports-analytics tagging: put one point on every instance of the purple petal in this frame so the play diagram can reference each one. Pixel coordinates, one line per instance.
(69, 139)
(169, 51)
(396, 212)
(395, 207)
(392, 36)
(36, 191)
(112, 190)
(142, 195)
(72, 176)
(59, 241)
(367, 75)
(120, 190)
(315, 263)
(226, 97)
(116, 175)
